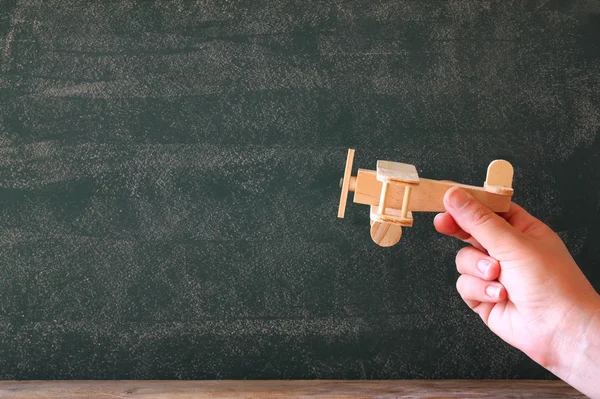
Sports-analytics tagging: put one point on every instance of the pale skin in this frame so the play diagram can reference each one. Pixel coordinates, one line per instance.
(519, 277)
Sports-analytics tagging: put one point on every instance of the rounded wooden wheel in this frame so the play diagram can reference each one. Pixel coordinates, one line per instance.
(346, 183)
(385, 234)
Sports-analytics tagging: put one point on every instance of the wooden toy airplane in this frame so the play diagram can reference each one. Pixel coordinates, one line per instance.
(395, 191)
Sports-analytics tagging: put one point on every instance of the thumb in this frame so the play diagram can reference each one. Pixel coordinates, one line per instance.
(492, 231)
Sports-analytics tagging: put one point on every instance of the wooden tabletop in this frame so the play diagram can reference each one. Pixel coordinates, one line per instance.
(288, 389)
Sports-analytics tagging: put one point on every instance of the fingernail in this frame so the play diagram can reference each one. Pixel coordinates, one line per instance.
(458, 198)
(493, 291)
(484, 265)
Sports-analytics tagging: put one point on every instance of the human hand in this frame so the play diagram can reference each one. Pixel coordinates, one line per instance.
(519, 277)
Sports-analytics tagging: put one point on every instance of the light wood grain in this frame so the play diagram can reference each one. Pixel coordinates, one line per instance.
(287, 389)
(392, 216)
(385, 234)
(427, 196)
(500, 173)
(346, 183)
(499, 177)
(397, 172)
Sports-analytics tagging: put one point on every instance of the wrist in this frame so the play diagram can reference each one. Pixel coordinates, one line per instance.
(575, 352)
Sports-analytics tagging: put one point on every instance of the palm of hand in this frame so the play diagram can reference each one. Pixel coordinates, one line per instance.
(542, 282)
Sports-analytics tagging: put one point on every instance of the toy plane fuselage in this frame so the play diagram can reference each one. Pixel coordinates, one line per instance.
(394, 191)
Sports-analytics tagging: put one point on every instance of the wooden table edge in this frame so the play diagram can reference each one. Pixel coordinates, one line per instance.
(179, 389)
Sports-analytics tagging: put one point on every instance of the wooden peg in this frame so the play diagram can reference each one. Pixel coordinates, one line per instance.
(384, 187)
(405, 201)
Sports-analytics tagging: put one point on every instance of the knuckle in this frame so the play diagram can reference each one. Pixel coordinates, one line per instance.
(459, 259)
(459, 256)
(482, 217)
(460, 284)
(463, 255)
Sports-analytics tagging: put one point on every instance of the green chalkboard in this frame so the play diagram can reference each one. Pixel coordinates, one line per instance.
(169, 180)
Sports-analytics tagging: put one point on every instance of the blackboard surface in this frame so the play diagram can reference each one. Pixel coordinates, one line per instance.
(169, 171)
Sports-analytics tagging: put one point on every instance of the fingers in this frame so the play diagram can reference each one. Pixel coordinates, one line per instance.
(473, 262)
(444, 223)
(493, 232)
(477, 284)
(473, 290)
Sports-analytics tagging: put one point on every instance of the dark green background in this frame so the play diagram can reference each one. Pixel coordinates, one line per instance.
(169, 180)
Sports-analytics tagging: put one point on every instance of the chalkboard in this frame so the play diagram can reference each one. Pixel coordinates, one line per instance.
(169, 180)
